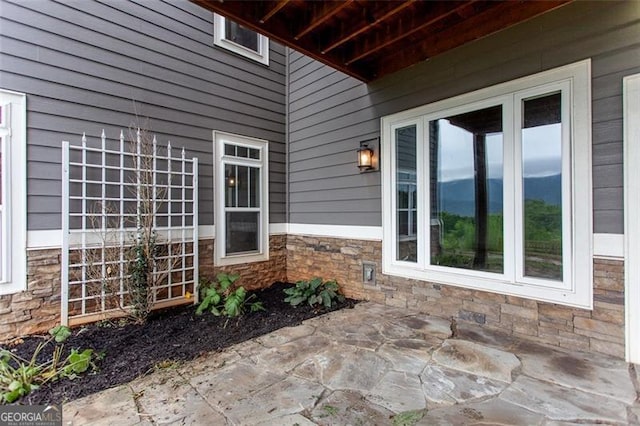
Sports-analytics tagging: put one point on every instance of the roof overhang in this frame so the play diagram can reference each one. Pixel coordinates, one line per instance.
(369, 39)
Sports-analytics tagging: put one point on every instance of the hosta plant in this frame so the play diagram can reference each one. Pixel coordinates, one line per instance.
(224, 298)
(314, 292)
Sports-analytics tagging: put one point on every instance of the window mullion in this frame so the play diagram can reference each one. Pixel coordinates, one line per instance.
(424, 194)
(567, 185)
(512, 189)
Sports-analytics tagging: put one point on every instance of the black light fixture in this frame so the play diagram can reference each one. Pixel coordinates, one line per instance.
(366, 156)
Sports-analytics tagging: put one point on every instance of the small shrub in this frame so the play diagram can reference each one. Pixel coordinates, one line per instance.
(314, 292)
(19, 376)
(224, 298)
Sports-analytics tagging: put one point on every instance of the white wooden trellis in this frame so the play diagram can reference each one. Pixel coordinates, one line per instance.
(102, 195)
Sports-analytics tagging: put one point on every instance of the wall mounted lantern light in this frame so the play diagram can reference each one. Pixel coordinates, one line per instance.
(367, 160)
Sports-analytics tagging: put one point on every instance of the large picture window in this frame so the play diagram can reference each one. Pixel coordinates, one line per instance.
(242, 199)
(243, 41)
(12, 192)
(492, 189)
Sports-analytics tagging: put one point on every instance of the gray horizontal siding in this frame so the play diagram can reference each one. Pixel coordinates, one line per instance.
(330, 113)
(109, 64)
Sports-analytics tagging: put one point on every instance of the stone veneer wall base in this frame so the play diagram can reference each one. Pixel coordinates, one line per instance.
(600, 330)
(37, 309)
(301, 257)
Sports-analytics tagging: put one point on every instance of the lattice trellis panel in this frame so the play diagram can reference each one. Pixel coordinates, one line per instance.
(115, 194)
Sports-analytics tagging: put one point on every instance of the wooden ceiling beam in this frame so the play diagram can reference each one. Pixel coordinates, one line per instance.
(499, 17)
(316, 21)
(274, 10)
(343, 38)
(377, 45)
(443, 10)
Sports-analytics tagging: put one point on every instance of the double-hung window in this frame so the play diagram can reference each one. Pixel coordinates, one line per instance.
(12, 192)
(492, 190)
(241, 185)
(243, 41)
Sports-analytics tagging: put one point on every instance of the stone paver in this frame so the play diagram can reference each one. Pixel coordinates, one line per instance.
(442, 385)
(349, 408)
(169, 398)
(224, 386)
(407, 355)
(559, 403)
(398, 391)
(112, 406)
(285, 398)
(285, 335)
(368, 364)
(587, 372)
(491, 412)
(477, 359)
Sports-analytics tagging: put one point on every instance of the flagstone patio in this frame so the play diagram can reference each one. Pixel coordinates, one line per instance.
(375, 365)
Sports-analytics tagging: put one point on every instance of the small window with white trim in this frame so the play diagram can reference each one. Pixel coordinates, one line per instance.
(241, 185)
(12, 192)
(243, 41)
(492, 190)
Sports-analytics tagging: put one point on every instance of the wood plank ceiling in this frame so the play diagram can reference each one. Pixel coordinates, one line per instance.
(369, 39)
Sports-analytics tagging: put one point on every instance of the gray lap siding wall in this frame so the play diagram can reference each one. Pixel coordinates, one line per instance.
(86, 66)
(92, 65)
(330, 113)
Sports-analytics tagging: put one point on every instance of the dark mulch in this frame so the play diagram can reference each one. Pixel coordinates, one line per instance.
(175, 334)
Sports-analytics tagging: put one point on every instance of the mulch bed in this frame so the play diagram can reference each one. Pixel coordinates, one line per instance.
(175, 334)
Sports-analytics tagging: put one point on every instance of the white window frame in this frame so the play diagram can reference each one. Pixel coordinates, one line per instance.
(219, 39)
(576, 288)
(220, 139)
(13, 131)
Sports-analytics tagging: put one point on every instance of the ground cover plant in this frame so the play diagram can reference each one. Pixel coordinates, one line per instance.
(167, 337)
(314, 292)
(22, 374)
(223, 297)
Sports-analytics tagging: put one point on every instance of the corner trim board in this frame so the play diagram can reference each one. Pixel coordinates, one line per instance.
(631, 161)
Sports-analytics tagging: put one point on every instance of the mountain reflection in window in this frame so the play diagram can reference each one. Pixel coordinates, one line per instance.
(542, 186)
(466, 190)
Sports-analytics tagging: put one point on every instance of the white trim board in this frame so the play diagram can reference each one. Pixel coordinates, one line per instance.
(631, 159)
(52, 238)
(604, 245)
(337, 231)
(608, 246)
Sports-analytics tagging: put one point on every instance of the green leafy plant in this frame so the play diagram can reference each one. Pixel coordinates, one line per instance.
(408, 418)
(60, 333)
(19, 376)
(330, 410)
(314, 292)
(224, 298)
(139, 284)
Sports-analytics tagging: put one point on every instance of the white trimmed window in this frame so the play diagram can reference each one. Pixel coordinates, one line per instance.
(242, 199)
(498, 185)
(241, 40)
(13, 188)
